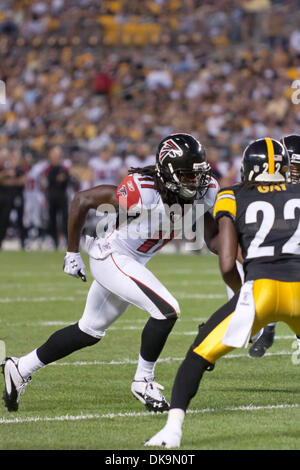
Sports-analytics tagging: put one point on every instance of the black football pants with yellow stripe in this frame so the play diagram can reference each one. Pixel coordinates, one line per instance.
(274, 301)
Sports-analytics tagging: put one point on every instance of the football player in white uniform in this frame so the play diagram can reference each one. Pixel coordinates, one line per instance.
(34, 198)
(142, 158)
(106, 167)
(117, 261)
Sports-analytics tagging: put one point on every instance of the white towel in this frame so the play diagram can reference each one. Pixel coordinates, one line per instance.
(240, 324)
(97, 248)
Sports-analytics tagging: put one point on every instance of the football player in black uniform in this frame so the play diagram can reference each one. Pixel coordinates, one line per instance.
(266, 339)
(262, 215)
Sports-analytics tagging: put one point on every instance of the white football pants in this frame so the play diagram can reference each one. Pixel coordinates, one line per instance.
(118, 282)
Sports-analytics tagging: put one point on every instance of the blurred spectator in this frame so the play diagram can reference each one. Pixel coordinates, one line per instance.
(57, 180)
(9, 26)
(106, 167)
(129, 72)
(19, 169)
(103, 83)
(215, 163)
(82, 173)
(12, 180)
(295, 41)
(5, 200)
(141, 157)
(108, 77)
(35, 205)
(159, 78)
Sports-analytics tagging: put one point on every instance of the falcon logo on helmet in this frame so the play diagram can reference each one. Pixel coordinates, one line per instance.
(182, 167)
(169, 149)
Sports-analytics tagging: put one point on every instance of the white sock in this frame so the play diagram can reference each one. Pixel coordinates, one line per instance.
(29, 364)
(175, 419)
(145, 369)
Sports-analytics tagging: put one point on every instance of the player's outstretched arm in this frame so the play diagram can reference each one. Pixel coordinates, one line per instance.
(80, 205)
(228, 251)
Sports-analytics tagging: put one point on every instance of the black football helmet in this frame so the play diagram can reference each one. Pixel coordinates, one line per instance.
(292, 144)
(182, 167)
(265, 160)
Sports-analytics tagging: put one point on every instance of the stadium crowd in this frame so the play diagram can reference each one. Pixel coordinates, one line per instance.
(92, 87)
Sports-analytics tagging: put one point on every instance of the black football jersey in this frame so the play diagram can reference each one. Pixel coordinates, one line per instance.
(267, 221)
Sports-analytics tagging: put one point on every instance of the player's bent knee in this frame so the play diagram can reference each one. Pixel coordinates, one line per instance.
(197, 358)
(172, 311)
(176, 307)
(165, 311)
(95, 333)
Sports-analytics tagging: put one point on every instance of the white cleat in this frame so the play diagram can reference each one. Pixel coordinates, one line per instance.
(15, 384)
(167, 438)
(149, 393)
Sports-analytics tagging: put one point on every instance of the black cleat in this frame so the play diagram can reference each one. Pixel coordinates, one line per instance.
(264, 342)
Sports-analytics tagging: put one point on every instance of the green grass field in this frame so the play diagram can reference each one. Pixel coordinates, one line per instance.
(84, 401)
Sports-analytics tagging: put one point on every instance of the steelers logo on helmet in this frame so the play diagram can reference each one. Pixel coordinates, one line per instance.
(182, 167)
(292, 144)
(265, 160)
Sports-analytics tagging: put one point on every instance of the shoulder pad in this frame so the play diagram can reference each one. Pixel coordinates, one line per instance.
(128, 194)
(225, 203)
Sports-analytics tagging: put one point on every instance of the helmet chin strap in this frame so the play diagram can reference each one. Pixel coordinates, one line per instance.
(182, 190)
(186, 193)
(176, 187)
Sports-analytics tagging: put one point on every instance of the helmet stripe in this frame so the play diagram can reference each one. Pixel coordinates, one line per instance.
(270, 148)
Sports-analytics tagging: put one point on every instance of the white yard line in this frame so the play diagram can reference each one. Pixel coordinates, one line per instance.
(162, 360)
(187, 295)
(132, 327)
(198, 282)
(82, 417)
(113, 328)
(8, 300)
(179, 295)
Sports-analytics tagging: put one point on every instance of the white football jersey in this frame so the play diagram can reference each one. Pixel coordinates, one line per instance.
(149, 227)
(106, 172)
(132, 161)
(33, 177)
(34, 198)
